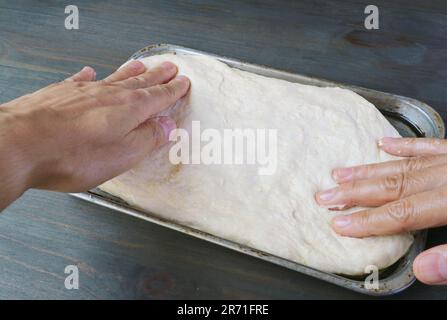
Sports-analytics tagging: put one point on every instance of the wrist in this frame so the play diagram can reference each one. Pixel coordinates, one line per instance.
(15, 169)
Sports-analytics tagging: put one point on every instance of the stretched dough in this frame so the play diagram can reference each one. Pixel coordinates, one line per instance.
(318, 129)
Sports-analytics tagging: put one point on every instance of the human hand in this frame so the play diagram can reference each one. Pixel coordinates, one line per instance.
(76, 134)
(404, 195)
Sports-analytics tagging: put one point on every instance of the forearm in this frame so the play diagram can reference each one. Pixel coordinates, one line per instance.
(14, 169)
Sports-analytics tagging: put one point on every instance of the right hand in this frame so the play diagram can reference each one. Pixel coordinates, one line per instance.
(402, 195)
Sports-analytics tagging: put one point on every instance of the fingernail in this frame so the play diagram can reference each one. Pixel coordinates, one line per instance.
(182, 79)
(168, 125)
(327, 195)
(136, 65)
(342, 221)
(88, 69)
(342, 174)
(168, 66)
(433, 268)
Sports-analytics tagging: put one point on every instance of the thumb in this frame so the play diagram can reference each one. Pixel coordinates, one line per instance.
(430, 266)
(154, 133)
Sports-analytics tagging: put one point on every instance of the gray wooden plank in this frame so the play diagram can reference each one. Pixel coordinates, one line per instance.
(122, 257)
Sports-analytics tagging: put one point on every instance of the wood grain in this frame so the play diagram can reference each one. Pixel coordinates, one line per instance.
(122, 257)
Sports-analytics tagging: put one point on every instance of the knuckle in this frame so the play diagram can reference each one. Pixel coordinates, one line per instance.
(396, 184)
(139, 82)
(168, 90)
(137, 95)
(363, 218)
(348, 190)
(107, 94)
(414, 163)
(364, 171)
(104, 82)
(80, 89)
(402, 211)
(349, 186)
(79, 84)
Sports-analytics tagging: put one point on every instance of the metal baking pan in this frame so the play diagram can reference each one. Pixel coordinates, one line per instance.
(410, 117)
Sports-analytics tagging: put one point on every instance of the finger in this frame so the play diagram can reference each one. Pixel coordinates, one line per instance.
(407, 147)
(149, 136)
(423, 210)
(368, 171)
(132, 69)
(158, 75)
(378, 191)
(144, 103)
(430, 266)
(86, 74)
(134, 147)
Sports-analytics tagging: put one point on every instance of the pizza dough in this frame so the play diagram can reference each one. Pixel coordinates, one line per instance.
(318, 129)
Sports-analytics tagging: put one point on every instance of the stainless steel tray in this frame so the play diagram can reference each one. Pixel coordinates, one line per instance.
(410, 117)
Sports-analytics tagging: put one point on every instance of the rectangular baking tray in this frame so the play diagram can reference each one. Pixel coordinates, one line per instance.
(409, 116)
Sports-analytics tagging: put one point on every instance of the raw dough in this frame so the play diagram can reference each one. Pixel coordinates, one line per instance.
(318, 129)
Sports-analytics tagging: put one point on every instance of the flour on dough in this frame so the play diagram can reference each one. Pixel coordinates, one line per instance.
(318, 129)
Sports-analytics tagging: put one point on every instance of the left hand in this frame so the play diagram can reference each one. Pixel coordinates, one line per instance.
(404, 195)
(74, 135)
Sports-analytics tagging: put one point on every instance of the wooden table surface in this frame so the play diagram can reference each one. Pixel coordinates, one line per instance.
(123, 257)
